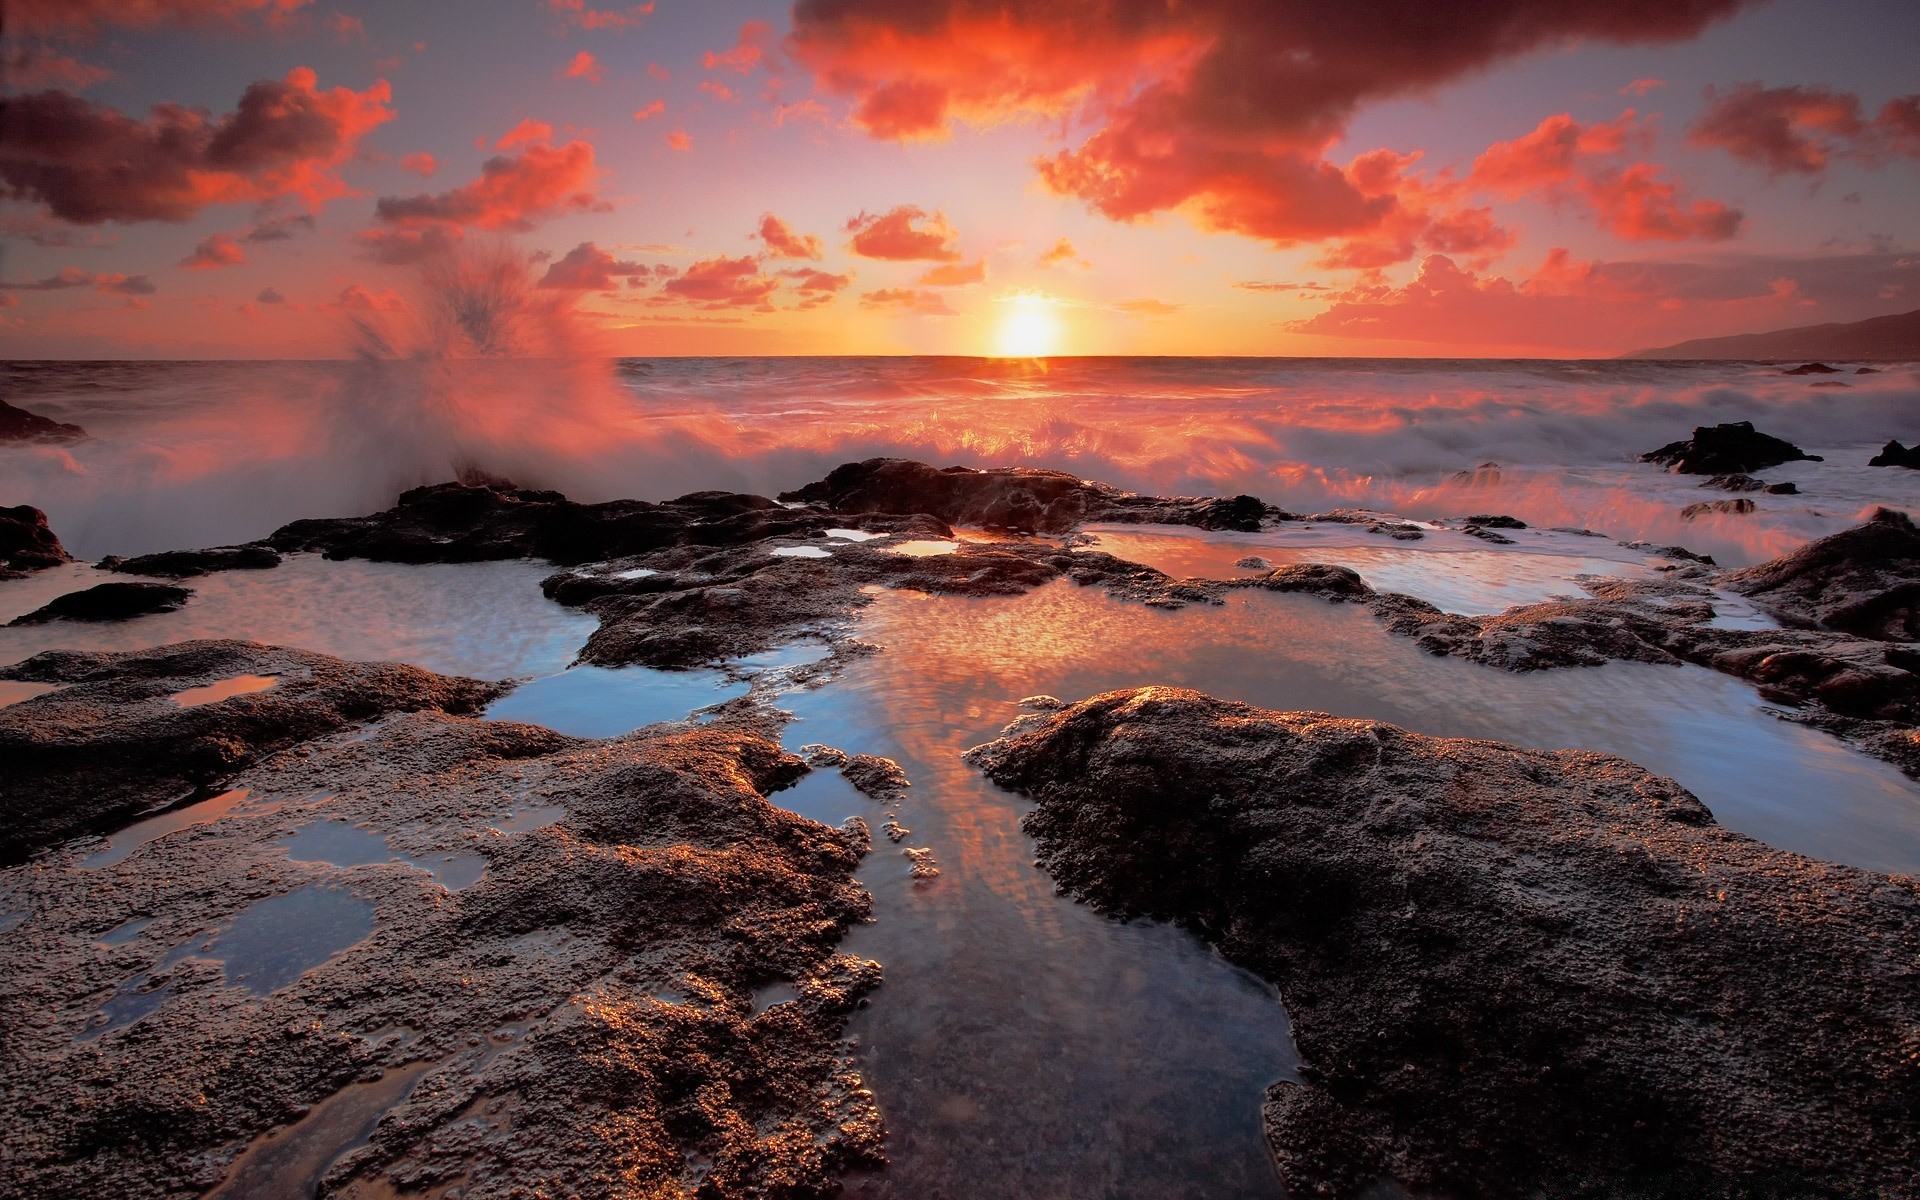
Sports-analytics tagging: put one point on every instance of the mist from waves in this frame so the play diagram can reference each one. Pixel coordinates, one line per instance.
(486, 375)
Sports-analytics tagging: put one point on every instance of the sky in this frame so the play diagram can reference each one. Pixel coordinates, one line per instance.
(260, 178)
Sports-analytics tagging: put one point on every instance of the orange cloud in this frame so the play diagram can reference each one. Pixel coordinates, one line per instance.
(576, 12)
(782, 242)
(650, 111)
(1062, 252)
(680, 140)
(1641, 87)
(817, 287)
(752, 49)
(422, 164)
(1217, 108)
(74, 277)
(896, 235)
(587, 267)
(724, 283)
(215, 250)
(28, 68)
(719, 91)
(925, 303)
(88, 164)
(955, 274)
(355, 298)
(1801, 130)
(514, 192)
(344, 28)
(585, 66)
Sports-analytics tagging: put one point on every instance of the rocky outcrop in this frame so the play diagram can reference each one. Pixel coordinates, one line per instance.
(1812, 368)
(26, 543)
(112, 742)
(587, 1017)
(19, 425)
(1733, 448)
(1864, 580)
(1023, 499)
(1893, 454)
(1509, 972)
(109, 602)
(187, 564)
(1747, 483)
(1707, 508)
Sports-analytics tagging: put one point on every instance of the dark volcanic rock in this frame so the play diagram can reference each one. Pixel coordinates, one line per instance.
(1864, 580)
(113, 742)
(1812, 368)
(1510, 972)
(26, 544)
(1730, 449)
(1018, 498)
(1736, 483)
(1495, 521)
(108, 602)
(1893, 454)
(1866, 370)
(1705, 508)
(19, 425)
(580, 1020)
(185, 564)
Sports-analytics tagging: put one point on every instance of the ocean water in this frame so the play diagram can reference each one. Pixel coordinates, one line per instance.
(189, 453)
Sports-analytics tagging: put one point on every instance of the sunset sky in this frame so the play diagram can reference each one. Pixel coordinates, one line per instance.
(238, 178)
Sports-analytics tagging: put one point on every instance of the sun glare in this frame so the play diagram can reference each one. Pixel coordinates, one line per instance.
(1030, 328)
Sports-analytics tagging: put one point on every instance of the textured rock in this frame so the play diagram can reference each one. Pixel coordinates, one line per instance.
(1510, 972)
(1705, 508)
(26, 544)
(1731, 449)
(109, 602)
(19, 425)
(1893, 454)
(1812, 368)
(113, 743)
(1864, 580)
(186, 564)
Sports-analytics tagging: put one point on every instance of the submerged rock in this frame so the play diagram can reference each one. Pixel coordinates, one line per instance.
(26, 543)
(19, 425)
(1864, 580)
(1893, 454)
(186, 564)
(109, 602)
(1812, 368)
(1510, 972)
(1733, 448)
(1705, 508)
(113, 742)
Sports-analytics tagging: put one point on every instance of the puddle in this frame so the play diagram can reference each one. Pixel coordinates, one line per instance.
(213, 693)
(121, 934)
(923, 548)
(824, 795)
(801, 552)
(634, 573)
(135, 998)
(537, 816)
(799, 654)
(603, 702)
(854, 535)
(152, 829)
(341, 844)
(291, 1161)
(275, 941)
(768, 995)
(13, 692)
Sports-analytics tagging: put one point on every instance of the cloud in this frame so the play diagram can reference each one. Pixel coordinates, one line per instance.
(85, 16)
(585, 66)
(404, 247)
(1262, 285)
(27, 68)
(1147, 308)
(1062, 252)
(514, 192)
(576, 13)
(421, 164)
(896, 236)
(355, 298)
(1641, 87)
(74, 277)
(587, 267)
(214, 251)
(270, 296)
(719, 91)
(42, 231)
(925, 303)
(724, 283)
(817, 287)
(782, 242)
(1801, 130)
(650, 111)
(754, 48)
(1221, 109)
(680, 140)
(343, 28)
(955, 274)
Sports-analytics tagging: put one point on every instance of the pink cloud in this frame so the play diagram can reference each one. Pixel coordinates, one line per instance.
(577, 13)
(585, 66)
(913, 300)
(514, 192)
(1801, 130)
(782, 242)
(214, 251)
(904, 234)
(724, 283)
(955, 274)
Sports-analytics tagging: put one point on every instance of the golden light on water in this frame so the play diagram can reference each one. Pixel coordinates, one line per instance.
(1030, 327)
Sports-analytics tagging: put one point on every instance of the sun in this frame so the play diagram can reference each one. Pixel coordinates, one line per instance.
(1030, 328)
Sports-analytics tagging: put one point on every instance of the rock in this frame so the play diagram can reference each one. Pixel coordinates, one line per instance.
(1678, 553)
(1736, 483)
(1866, 370)
(1399, 531)
(578, 1021)
(1321, 579)
(113, 742)
(1864, 580)
(1733, 448)
(875, 777)
(1487, 474)
(19, 425)
(109, 602)
(1253, 562)
(1510, 972)
(186, 564)
(1783, 489)
(1893, 454)
(1812, 368)
(1739, 507)
(26, 543)
(1830, 383)
(1495, 521)
(1487, 535)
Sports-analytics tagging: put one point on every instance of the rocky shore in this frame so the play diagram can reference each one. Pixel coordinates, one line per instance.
(1510, 972)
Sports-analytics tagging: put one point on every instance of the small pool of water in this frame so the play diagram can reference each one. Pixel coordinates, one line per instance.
(635, 573)
(12, 692)
(213, 693)
(923, 548)
(795, 654)
(824, 795)
(342, 844)
(604, 702)
(291, 1161)
(854, 535)
(531, 817)
(801, 552)
(235, 802)
(273, 942)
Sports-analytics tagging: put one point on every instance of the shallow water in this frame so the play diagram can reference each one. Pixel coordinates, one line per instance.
(225, 689)
(273, 942)
(124, 842)
(343, 844)
(603, 702)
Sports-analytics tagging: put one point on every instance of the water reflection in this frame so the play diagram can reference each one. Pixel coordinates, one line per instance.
(224, 689)
(126, 841)
(604, 702)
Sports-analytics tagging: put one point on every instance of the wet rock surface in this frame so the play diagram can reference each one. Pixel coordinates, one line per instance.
(1864, 580)
(1812, 368)
(1026, 499)
(109, 602)
(1707, 508)
(26, 543)
(1893, 454)
(187, 564)
(580, 1020)
(19, 425)
(113, 742)
(1510, 972)
(1747, 483)
(1735, 448)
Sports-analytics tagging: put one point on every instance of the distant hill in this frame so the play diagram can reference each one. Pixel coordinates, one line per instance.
(1895, 337)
